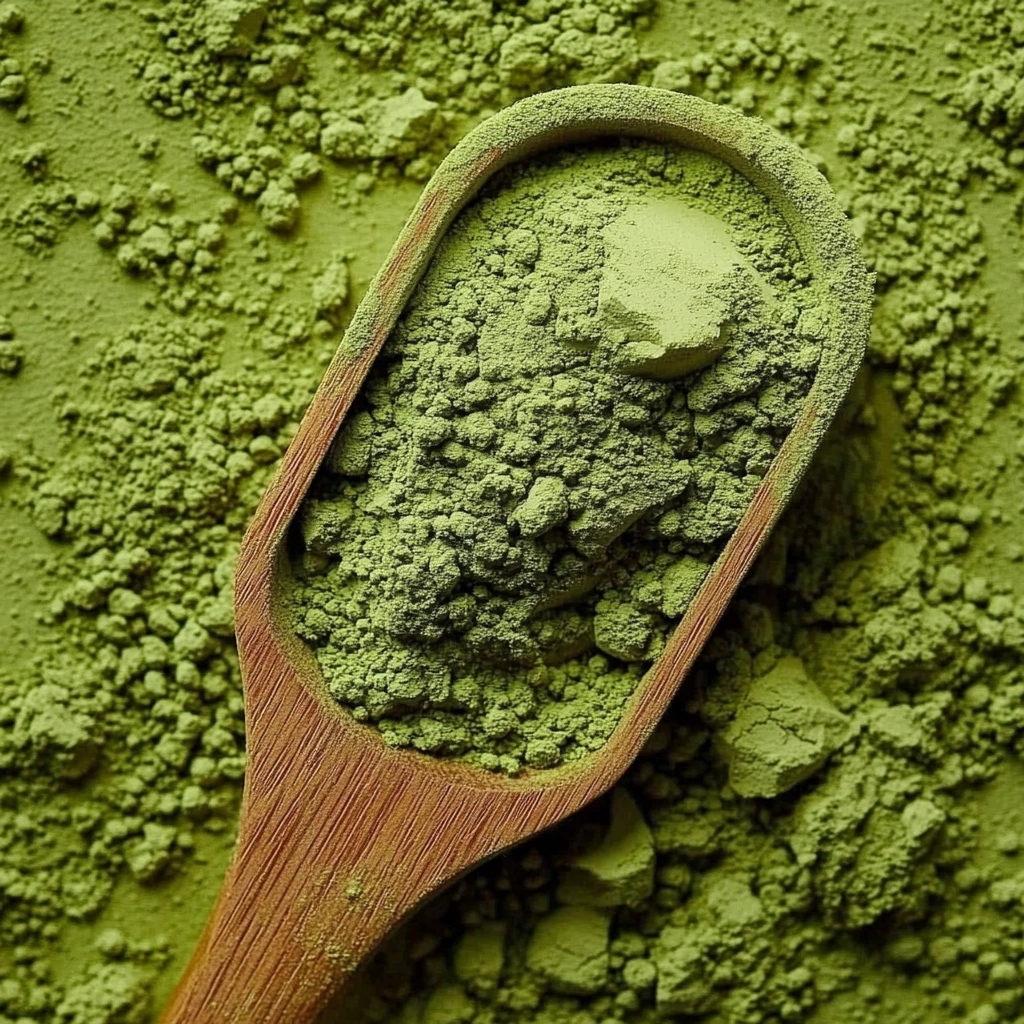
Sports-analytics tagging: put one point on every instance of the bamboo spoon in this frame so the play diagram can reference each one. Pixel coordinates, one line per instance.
(341, 837)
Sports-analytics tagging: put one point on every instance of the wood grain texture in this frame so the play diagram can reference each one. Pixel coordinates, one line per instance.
(342, 837)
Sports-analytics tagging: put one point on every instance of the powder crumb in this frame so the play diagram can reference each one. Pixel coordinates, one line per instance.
(619, 871)
(784, 730)
(231, 26)
(569, 949)
(479, 958)
(112, 994)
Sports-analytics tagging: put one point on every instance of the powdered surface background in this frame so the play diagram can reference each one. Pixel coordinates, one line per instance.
(192, 195)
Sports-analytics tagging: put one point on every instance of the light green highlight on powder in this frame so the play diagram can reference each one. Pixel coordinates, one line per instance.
(618, 870)
(545, 506)
(783, 731)
(525, 498)
(480, 956)
(569, 949)
(672, 276)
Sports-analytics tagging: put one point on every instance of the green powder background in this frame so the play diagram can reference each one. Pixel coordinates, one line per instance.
(829, 824)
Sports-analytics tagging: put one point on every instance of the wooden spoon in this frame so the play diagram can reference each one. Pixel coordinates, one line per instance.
(341, 836)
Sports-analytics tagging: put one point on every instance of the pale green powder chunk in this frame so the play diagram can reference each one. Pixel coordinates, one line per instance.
(569, 949)
(620, 869)
(783, 732)
(480, 955)
(670, 284)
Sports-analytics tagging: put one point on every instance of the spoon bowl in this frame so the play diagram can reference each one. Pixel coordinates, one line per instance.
(342, 837)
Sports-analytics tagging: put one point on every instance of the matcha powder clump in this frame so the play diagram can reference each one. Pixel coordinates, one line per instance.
(561, 433)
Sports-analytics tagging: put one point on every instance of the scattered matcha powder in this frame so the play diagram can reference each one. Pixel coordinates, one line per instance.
(877, 879)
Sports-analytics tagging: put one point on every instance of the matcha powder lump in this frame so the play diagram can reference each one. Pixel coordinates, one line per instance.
(562, 431)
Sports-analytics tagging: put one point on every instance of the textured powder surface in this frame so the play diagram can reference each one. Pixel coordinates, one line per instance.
(193, 195)
(482, 562)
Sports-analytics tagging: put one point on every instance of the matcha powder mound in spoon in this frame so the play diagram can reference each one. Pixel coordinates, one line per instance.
(565, 426)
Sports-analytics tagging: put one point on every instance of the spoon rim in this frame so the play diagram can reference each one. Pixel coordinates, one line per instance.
(784, 174)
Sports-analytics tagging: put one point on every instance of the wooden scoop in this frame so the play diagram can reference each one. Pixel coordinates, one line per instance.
(341, 836)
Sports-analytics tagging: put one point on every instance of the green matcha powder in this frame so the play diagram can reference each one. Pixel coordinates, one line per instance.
(562, 431)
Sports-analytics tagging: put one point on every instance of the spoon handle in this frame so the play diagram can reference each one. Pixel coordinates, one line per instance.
(320, 876)
(289, 927)
(257, 964)
(340, 840)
